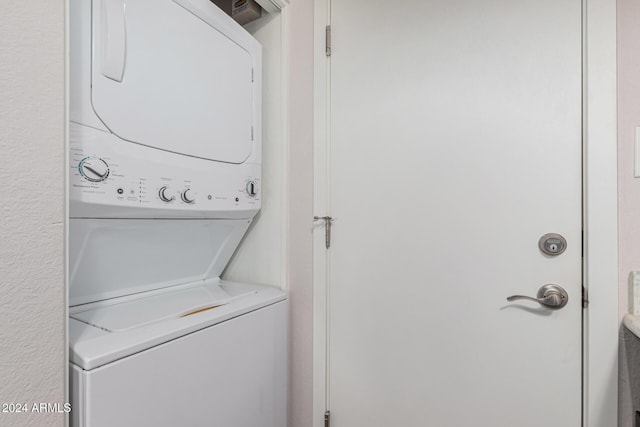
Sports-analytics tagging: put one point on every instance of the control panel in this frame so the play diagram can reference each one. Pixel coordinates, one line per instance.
(123, 174)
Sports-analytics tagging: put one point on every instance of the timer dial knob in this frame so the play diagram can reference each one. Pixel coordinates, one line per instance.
(187, 196)
(93, 169)
(251, 188)
(164, 196)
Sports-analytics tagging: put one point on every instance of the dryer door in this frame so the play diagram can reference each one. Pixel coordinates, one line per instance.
(176, 75)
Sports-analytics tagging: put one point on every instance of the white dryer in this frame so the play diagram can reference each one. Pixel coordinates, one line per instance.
(165, 167)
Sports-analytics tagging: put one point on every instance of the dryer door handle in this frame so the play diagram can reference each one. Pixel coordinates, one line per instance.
(113, 39)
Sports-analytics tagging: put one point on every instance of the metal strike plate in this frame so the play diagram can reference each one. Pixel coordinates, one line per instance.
(552, 244)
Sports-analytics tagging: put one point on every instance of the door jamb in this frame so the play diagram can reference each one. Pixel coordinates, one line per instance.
(322, 65)
(600, 217)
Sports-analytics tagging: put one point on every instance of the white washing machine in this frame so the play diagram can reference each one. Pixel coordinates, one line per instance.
(165, 167)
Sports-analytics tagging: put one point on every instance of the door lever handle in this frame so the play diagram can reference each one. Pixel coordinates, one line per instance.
(551, 296)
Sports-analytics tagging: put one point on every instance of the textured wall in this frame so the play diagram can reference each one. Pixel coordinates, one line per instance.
(32, 296)
(628, 119)
(628, 200)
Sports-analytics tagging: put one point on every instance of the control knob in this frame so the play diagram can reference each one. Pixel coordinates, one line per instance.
(162, 193)
(187, 197)
(251, 188)
(93, 169)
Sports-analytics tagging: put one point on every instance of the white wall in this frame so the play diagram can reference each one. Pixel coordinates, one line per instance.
(628, 119)
(300, 192)
(278, 248)
(261, 256)
(628, 19)
(32, 146)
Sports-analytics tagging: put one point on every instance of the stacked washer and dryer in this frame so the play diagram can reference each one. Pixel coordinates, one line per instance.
(165, 168)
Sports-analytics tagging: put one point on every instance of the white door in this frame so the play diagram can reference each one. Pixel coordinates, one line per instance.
(455, 145)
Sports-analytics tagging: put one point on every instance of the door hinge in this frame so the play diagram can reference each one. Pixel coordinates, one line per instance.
(252, 71)
(585, 297)
(327, 419)
(327, 228)
(252, 133)
(327, 40)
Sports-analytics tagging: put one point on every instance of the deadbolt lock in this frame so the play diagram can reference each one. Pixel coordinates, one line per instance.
(552, 244)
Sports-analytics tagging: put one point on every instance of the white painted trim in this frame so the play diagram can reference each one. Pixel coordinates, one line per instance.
(320, 208)
(284, 183)
(65, 210)
(600, 215)
(273, 6)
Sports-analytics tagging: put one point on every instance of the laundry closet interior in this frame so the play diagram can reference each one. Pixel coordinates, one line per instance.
(165, 180)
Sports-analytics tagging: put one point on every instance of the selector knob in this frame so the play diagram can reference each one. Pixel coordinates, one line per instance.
(162, 193)
(252, 189)
(93, 169)
(186, 196)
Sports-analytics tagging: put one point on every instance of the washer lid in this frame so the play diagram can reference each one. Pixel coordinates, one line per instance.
(113, 258)
(178, 75)
(172, 304)
(91, 346)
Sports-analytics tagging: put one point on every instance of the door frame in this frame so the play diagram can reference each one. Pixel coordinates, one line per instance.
(601, 319)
